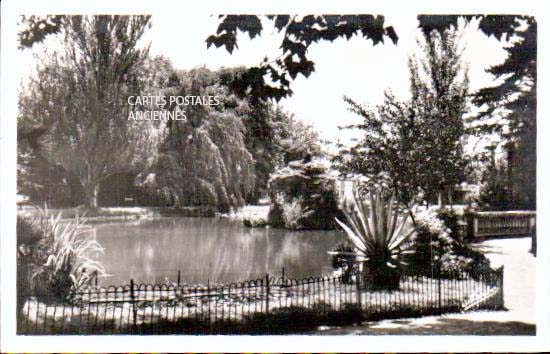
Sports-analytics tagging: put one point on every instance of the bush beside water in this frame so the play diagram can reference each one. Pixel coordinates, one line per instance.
(303, 197)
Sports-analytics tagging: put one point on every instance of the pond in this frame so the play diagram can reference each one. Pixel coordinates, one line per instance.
(207, 249)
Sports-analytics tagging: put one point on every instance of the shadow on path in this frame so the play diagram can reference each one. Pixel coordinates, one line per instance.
(438, 326)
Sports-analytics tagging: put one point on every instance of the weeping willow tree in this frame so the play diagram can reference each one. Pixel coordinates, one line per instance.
(203, 160)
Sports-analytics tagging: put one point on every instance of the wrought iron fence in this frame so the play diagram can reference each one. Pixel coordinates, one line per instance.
(257, 306)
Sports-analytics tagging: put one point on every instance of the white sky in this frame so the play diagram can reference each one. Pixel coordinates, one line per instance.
(354, 68)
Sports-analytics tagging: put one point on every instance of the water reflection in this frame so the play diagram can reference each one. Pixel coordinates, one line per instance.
(205, 249)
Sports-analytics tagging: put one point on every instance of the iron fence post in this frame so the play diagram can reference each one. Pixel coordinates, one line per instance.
(439, 284)
(133, 301)
(267, 302)
(208, 302)
(267, 293)
(358, 288)
(501, 286)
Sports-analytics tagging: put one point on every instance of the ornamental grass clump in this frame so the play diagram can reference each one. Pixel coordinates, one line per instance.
(65, 264)
(294, 212)
(379, 232)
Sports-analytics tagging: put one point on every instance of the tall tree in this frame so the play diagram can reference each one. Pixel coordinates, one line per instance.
(259, 132)
(391, 144)
(439, 89)
(417, 143)
(273, 137)
(81, 94)
(515, 99)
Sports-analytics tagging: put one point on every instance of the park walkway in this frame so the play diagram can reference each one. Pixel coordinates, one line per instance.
(519, 299)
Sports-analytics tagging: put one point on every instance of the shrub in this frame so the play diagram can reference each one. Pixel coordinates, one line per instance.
(451, 221)
(478, 263)
(31, 251)
(438, 253)
(343, 260)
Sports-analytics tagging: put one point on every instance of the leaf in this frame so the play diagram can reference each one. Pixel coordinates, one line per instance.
(390, 32)
(356, 240)
(38, 28)
(281, 21)
(439, 23)
(499, 25)
(373, 28)
(249, 24)
(228, 40)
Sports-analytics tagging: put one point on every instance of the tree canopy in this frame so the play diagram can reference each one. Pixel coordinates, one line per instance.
(439, 89)
(80, 95)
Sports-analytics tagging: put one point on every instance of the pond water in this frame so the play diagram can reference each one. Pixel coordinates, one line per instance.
(207, 249)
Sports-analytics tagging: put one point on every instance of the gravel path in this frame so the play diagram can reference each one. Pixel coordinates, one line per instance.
(519, 299)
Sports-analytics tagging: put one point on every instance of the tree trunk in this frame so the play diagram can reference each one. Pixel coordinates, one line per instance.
(92, 191)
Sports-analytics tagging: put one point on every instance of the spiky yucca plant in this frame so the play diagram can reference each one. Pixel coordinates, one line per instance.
(379, 232)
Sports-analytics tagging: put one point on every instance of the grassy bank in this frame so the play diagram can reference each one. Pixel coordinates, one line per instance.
(121, 213)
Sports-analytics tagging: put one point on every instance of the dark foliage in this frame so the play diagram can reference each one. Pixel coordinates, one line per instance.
(309, 182)
(451, 220)
(29, 256)
(272, 136)
(302, 31)
(299, 33)
(515, 99)
(38, 28)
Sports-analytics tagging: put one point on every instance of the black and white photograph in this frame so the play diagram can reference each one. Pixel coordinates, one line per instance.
(308, 174)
